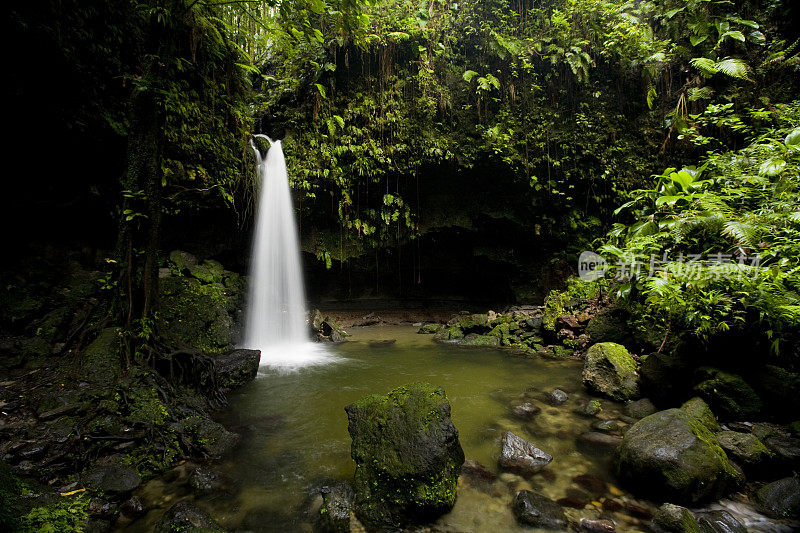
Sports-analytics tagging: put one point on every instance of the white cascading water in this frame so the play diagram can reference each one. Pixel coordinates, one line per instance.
(276, 315)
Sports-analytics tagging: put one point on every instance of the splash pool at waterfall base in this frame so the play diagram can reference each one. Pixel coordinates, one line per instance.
(295, 439)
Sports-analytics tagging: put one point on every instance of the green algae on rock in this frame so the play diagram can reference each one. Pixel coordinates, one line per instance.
(407, 454)
(672, 455)
(610, 370)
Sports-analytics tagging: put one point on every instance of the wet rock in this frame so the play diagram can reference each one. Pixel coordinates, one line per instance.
(525, 411)
(786, 450)
(104, 509)
(575, 498)
(700, 410)
(188, 518)
(557, 397)
(521, 457)
(671, 455)
(728, 394)
(473, 339)
(132, 508)
(33, 451)
(589, 408)
(597, 526)
(592, 483)
(719, 522)
(609, 426)
(675, 519)
(237, 368)
(555, 351)
(535, 510)
(610, 370)
(744, 448)
(430, 329)
(335, 510)
(202, 480)
(407, 454)
(595, 442)
(475, 470)
(112, 479)
(640, 408)
(449, 333)
(637, 510)
(612, 505)
(780, 499)
(212, 438)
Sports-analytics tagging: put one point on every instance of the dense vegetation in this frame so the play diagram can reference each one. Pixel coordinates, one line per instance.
(464, 151)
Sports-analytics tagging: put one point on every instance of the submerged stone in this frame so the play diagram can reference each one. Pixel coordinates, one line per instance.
(407, 454)
(522, 457)
(187, 518)
(532, 509)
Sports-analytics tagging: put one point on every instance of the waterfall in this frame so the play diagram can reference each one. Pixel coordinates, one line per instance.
(276, 315)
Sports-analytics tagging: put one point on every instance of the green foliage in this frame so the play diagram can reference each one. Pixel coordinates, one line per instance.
(66, 514)
(739, 203)
(558, 302)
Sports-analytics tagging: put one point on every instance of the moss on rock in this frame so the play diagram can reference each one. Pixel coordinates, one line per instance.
(728, 394)
(407, 456)
(672, 455)
(610, 370)
(700, 410)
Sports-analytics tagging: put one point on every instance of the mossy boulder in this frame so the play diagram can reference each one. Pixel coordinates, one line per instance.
(702, 412)
(449, 333)
(473, 339)
(744, 448)
(197, 315)
(675, 519)
(672, 455)
(429, 329)
(407, 454)
(610, 370)
(728, 394)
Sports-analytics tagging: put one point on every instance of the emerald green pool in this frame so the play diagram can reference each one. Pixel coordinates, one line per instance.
(294, 430)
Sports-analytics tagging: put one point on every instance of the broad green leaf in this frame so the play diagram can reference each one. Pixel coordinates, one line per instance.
(793, 139)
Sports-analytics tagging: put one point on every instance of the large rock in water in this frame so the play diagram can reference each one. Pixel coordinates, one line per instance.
(672, 455)
(407, 456)
(610, 370)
